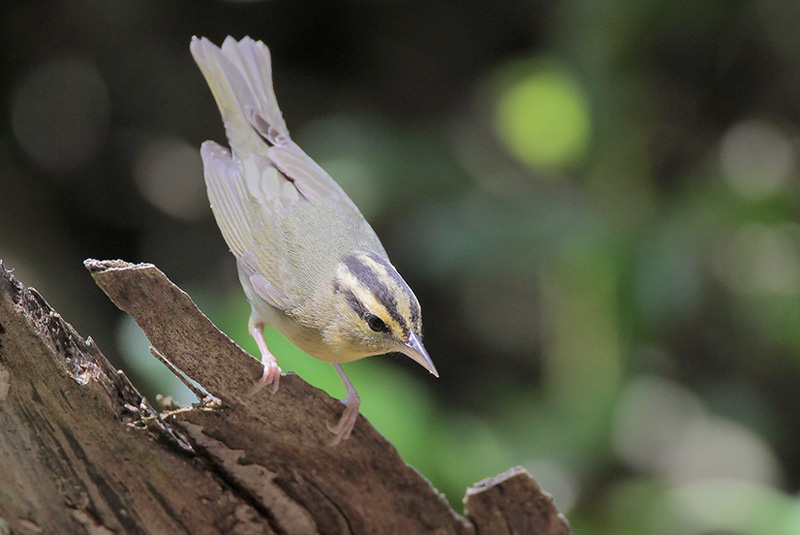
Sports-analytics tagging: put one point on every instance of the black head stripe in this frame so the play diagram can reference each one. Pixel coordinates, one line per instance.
(352, 300)
(370, 280)
(412, 301)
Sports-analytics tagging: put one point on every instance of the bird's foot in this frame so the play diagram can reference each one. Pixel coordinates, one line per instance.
(272, 372)
(346, 423)
(270, 377)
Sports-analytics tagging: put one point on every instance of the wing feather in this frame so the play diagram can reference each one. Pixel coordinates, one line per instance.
(308, 177)
(224, 183)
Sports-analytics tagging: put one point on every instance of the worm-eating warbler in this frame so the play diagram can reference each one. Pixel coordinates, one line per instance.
(309, 262)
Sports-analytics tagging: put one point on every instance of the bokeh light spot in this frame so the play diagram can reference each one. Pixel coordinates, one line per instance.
(733, 506)
(761, 259)
(756, 159)
(663, 428)
(544, 119)
(169, 173)
(60, 113)
(652, 414)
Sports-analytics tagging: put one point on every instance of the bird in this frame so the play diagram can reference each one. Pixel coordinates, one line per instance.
(308, 261)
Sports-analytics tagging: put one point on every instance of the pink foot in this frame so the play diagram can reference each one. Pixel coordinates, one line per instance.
(272, 372)
(271, 376)
(346, 423)
(350, 415)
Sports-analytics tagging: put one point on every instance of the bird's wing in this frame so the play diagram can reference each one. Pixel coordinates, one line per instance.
(308, 177)
(243, 196)
(226, 191)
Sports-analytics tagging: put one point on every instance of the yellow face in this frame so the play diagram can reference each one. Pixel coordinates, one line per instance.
(376, 311)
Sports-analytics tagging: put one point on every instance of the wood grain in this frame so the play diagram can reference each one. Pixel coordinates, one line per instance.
(81, 451)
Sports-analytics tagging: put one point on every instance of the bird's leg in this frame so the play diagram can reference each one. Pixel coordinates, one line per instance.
(272, 372)
(351, 403)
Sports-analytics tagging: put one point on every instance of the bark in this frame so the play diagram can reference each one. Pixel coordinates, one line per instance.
(81, 451)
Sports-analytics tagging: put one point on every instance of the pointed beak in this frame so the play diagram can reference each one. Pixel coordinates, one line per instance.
(414, 349)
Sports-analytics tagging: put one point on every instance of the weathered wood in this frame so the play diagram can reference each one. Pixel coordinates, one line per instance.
(513, 504)
(82, 452)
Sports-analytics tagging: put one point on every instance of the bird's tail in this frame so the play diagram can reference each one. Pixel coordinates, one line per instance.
(239, 75)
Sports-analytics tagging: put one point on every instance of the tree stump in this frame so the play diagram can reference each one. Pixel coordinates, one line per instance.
(81, 451)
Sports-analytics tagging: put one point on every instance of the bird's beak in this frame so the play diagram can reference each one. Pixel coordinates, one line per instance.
(414, 349)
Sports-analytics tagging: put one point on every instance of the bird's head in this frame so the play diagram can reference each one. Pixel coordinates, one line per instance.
(376, 312)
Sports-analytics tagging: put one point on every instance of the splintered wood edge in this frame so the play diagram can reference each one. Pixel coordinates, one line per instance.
(148, 296)
(512, 503)
(86, 363)
(70, 419)
(96, 266)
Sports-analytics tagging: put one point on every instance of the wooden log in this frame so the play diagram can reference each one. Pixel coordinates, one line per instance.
(81, 451)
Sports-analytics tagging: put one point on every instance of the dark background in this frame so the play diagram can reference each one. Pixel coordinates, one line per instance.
(595, 202)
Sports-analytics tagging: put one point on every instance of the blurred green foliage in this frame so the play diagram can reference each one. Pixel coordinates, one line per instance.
(596, 203)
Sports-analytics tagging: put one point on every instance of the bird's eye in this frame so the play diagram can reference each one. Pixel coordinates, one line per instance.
(377, 324)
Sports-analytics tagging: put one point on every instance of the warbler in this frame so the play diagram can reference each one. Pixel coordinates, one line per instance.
(308, 261)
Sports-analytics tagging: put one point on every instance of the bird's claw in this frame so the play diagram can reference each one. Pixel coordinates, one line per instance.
(341, 431)
(270, 377)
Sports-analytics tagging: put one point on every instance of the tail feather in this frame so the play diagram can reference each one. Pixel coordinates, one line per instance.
(239, 75)
(254, 61)
(234, 77)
